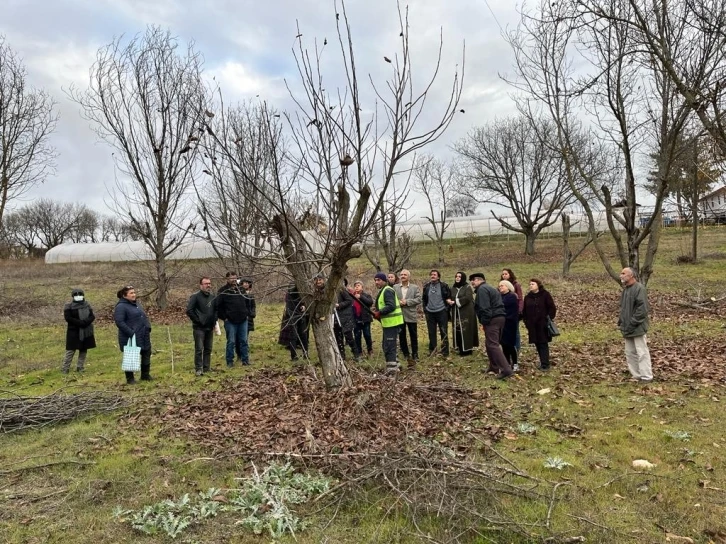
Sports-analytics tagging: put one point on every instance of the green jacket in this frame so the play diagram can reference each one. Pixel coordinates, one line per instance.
(634, 311)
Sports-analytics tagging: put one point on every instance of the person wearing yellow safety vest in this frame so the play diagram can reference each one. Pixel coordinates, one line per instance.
(387, 310)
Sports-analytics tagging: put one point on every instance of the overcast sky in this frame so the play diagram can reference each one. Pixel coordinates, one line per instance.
(247, 47)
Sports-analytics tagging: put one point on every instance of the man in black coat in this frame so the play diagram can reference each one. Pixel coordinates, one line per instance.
(202, 311)
(492, 316)
(344, 322)
(233, 306)
(295, 326)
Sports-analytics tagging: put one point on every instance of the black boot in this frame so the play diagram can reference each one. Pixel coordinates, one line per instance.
(145, 376)
(130, 378)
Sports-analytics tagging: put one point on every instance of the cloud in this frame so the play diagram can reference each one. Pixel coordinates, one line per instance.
(248, 50)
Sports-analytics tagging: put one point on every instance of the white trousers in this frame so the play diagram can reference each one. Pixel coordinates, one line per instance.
(638, 357)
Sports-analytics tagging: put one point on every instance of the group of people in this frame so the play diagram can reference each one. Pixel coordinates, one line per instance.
(465, 305)
(234, 304)
(468, 304)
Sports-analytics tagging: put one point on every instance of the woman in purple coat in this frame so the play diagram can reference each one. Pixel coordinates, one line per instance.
(538, 306)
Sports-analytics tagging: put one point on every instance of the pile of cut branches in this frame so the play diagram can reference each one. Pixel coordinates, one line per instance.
(450, 497)
(20, 413)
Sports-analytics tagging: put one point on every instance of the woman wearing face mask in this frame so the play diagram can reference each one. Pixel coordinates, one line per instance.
(79, 334)
(131, 320)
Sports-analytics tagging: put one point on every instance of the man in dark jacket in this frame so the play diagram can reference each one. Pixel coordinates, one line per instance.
(362, 303)
(246, 285)
(344, 322)
(633, 325)
(202, 310)
(295, 326)
(233, 306)
(492, 316)
(435, 295)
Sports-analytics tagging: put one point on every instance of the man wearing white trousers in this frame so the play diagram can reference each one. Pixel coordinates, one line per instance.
(633, 325)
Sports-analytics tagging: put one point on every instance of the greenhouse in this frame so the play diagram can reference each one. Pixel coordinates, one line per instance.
(486, 225)
(124, 251)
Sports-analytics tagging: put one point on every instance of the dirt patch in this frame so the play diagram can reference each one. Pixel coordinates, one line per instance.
(275, 411)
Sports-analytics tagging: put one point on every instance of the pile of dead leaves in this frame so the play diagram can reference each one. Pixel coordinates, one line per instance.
(672, 359)
(582, 307)
(292, 412)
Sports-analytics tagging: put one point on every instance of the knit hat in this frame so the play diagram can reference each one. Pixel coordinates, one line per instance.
(477, 275)
(381, 276)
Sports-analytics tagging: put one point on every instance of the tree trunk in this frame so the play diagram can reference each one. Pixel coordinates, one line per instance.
(529, 237)
(162, 283)
(566, 251)
(694, 219)
(335, 373)
(440, 244)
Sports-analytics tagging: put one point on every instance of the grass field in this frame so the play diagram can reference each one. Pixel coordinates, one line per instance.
(62, 483)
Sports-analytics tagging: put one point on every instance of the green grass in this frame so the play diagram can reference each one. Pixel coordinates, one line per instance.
(599, 426)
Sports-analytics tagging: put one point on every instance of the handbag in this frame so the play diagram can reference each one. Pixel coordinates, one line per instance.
(131, 361)
(552, 329)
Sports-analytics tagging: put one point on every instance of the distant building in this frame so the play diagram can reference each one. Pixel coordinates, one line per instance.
(713, 205)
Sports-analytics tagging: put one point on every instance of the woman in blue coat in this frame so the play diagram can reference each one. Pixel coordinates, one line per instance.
(511, 323)
(131, 320)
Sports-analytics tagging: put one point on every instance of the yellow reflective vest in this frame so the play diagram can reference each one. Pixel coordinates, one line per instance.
(396, 316)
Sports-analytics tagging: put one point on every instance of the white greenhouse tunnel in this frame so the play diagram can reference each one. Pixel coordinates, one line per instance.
(418, 229)
(124, 251)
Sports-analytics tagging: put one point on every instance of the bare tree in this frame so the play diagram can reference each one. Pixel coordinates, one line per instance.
(147, 100)
(437, 181)
(569, 256)
(21, 230)
(685, 40)
(390, 242)
(234, 212)
(697, 167)
(27, 119)
(55, 222)
(114, 229)
(514, 162)
(343, 160)
(461, 206)
(88, 226)
(627, 98)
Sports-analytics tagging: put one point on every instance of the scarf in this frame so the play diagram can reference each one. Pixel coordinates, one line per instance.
(84, 311)
(462, 283)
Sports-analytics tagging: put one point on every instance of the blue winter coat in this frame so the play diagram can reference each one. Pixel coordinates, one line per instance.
(511, 323)
(131, 319)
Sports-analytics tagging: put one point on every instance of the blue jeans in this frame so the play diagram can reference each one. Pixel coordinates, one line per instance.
(237, 342)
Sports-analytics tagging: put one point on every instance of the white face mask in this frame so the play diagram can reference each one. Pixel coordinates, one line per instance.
(78, 298)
